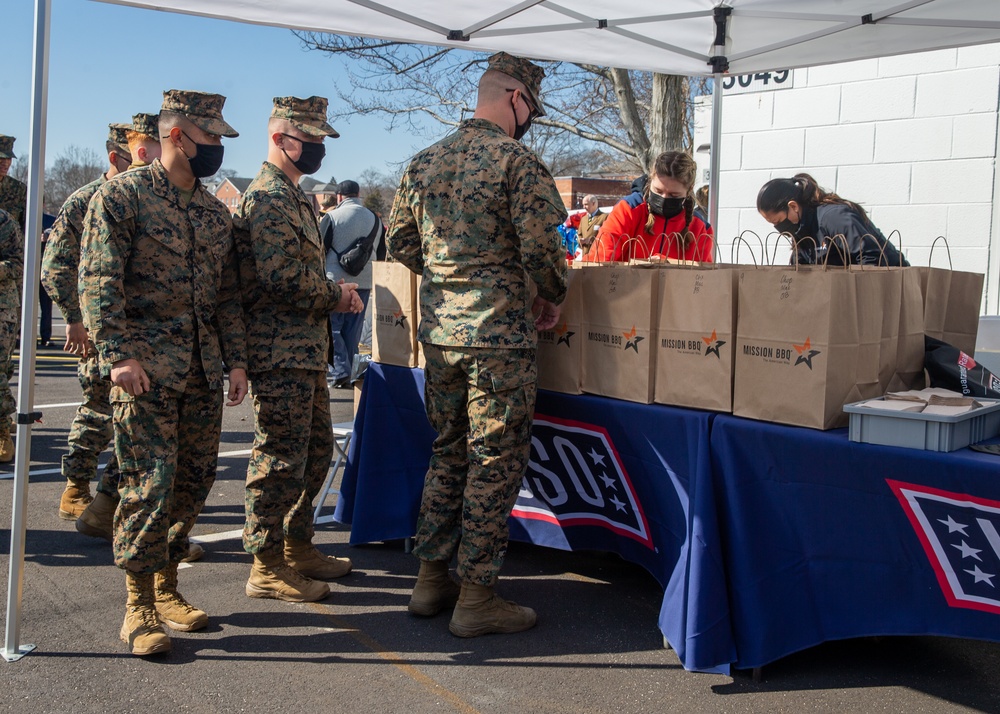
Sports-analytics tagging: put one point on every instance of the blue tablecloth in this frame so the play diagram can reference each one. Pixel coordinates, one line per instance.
(767, 539)
(604, 475)
(826, 539)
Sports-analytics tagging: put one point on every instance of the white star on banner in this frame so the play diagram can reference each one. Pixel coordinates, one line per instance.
(609, 482)
(968, 551)
(598, 458)
(980, 576)
(954, 526)
(620, 505)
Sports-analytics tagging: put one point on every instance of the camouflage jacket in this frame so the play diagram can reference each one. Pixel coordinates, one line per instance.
(11, 269)
(158, 279)
(477, 214)
(13, 199)
(286, 295)
(61, 261)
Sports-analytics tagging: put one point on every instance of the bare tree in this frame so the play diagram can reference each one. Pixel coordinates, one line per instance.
(603, 115)
(72, 169)
(378, 190)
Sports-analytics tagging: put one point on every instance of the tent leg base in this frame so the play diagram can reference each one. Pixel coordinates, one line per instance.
(15, 656)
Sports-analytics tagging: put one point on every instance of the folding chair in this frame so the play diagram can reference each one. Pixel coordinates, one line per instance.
(342, 434)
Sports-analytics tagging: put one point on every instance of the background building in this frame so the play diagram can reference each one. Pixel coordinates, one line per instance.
(912, 138)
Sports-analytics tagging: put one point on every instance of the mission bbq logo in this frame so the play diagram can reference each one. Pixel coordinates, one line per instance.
(559, 335)
(704, 346)
(792, 356)
(391, 319)
(620, 340)
(576, 478)
(960, 534)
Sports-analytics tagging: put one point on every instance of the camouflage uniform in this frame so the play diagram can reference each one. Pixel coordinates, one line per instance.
(13, 193)
(11, 275)
(475, 214)
(91, 431)
(159, 284)
(286, 298)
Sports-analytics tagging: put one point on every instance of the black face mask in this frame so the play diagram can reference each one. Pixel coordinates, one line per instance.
(521, 129)
(663, 206)
(786, 226)
(311, 157)
(207, 160)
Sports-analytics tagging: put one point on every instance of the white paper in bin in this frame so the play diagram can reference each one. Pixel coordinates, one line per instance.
(914, 430)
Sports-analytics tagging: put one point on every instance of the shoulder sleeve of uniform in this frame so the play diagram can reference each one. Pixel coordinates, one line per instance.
(118, 198)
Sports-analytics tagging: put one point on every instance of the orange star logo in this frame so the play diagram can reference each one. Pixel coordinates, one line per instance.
(806, 353)
(632, 340)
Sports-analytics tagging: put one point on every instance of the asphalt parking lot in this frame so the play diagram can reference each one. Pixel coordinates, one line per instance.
(596, 647)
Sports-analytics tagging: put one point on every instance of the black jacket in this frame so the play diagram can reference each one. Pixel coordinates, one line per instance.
(842, 232)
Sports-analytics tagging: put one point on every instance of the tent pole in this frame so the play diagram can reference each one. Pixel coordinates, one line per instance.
(13, 650)
(715, 147)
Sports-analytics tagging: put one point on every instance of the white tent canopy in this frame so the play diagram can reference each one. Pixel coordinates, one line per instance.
(680, 39)
(689, 37)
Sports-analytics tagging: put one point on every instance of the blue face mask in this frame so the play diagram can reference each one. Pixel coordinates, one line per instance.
(207, 160)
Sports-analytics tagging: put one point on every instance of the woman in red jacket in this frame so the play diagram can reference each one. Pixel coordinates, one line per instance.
(661, 222)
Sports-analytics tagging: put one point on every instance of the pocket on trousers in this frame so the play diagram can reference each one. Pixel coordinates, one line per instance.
(503, 385)
(130, 448)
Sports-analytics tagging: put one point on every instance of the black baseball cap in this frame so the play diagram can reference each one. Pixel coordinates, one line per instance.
(348, 188)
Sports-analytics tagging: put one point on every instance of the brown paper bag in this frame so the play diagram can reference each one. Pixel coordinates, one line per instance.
(695, 336)
(952, 302)
(560, 350)
(619, 312)
(909, 373)
(394, 319)
(806, 345)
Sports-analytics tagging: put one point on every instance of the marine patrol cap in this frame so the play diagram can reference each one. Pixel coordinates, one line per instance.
(306, 115)
(116, 136)
(147, 124)
(7, 147)
(202, 109)
(525, 72)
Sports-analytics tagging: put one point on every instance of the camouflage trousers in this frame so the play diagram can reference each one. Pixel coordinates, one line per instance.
(8, 338)
(167, 444)
(92, 430)
(292, 451)
(481, 403)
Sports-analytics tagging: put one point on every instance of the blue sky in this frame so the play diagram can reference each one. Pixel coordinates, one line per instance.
(108, 62)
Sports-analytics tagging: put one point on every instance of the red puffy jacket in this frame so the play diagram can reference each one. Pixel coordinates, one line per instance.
(623, 237)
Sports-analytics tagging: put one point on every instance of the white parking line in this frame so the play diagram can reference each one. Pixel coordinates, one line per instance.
(47, 472)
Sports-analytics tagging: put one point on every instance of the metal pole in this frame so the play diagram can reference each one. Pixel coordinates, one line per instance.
(715, 156)
(13, 650)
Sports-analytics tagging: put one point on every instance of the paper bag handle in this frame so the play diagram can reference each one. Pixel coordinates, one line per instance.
(947, 247)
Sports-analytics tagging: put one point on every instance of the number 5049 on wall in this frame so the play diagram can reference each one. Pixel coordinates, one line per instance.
(758, 82)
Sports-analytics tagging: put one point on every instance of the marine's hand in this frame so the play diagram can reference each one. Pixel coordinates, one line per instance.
(237, 387)
(130, 376)
(546, 314)
(76, 339)
(350, 301)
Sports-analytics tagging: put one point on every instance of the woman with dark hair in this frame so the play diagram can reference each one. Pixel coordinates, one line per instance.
(662, 224)
(825, 227)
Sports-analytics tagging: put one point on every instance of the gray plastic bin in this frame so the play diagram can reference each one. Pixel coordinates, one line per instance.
(929, 432)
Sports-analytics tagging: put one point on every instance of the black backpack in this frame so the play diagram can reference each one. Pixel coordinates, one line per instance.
(355, 257)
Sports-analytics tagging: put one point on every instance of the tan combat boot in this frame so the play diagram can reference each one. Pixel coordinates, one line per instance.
(98, 518)
(175, 612)
(75, 498)
(479, 612)
(303, 556)
(195, 552)
(434, 591)
(142, 629)
(6, 443)
(272, 577)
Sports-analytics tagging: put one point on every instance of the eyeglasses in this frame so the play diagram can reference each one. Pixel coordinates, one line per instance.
(532, 112)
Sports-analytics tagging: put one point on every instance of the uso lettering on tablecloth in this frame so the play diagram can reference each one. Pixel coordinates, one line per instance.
(576, 478)
(961, 536)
